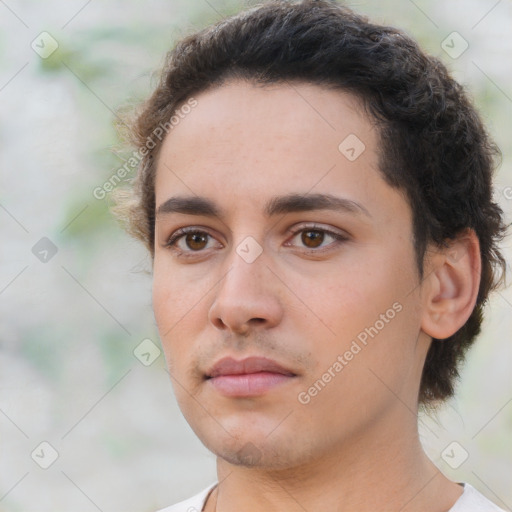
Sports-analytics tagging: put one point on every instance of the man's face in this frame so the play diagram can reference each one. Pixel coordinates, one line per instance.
(330, 294)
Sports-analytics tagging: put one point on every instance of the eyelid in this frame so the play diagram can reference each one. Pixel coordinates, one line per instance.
(315, 226)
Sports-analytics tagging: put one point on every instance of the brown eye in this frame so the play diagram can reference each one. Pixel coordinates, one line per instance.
(312, 239)
(196, 241)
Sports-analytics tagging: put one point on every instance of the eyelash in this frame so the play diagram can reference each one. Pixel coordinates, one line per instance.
(180, 233)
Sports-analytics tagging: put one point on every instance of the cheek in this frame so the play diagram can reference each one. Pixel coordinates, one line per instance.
(176, 307)
(340, 302)
(366, 309)
(165, 304)
(175, 299)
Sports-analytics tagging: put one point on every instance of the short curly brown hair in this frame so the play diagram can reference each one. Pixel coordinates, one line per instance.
(433, 144)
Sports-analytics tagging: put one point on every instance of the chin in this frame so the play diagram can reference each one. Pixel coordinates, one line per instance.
(255, 451)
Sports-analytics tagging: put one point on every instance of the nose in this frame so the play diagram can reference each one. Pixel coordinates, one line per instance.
(247, 298)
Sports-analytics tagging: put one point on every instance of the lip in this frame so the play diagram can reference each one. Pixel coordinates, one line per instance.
(248, 377)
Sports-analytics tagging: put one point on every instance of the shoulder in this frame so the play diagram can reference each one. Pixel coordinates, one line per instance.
(473, 501)
(194, 504)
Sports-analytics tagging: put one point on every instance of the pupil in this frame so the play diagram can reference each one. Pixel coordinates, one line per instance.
(312, 238)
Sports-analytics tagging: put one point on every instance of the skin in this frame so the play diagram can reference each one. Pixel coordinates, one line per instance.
(302, 302)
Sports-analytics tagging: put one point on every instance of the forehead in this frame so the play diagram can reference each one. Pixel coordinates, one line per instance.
(243, 142)
(289, 115)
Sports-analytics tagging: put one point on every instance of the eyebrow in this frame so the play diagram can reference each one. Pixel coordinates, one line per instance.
(196, 205)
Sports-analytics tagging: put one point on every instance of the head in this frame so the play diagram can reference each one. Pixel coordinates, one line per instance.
(280, 109)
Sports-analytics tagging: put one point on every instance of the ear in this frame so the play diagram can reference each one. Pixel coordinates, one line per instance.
(450, 287)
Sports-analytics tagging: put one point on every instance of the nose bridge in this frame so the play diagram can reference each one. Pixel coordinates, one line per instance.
(247, 294)
(246, 272)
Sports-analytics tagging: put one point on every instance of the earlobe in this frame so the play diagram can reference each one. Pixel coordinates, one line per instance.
(451, 286)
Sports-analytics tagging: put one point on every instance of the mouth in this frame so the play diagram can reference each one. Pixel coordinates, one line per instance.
(252, 376)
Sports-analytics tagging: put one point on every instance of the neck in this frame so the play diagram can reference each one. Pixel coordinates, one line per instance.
(374, 470)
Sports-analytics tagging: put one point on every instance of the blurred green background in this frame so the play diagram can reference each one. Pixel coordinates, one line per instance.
(74, 309)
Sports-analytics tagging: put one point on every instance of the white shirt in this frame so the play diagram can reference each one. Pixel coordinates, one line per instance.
(470, 501)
